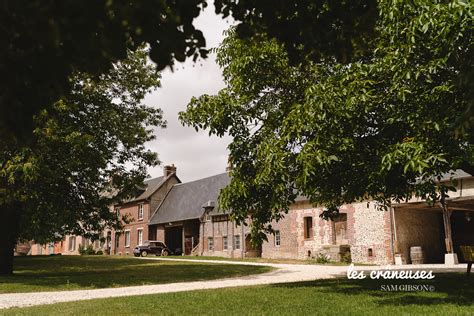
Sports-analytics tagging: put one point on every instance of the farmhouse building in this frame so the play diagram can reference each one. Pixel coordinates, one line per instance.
(139, 211)
(187, 217)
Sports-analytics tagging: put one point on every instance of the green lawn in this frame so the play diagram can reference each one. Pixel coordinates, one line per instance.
(453, 295)
(59, 273)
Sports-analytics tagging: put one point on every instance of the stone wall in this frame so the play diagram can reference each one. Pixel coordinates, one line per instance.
(371, 242)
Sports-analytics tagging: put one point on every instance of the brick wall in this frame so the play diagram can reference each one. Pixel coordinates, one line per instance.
(217, 230)
(131, 210)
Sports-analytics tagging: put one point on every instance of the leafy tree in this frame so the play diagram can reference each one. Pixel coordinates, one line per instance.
(382, 127)
(44, 42)
(87, 153)
(307, 29)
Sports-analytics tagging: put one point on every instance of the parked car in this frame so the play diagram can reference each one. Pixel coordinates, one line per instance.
(151, 247)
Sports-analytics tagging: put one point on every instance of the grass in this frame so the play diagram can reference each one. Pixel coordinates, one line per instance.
(453, 295)
(61, 273)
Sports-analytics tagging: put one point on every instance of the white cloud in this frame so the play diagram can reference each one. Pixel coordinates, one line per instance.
(195, 154)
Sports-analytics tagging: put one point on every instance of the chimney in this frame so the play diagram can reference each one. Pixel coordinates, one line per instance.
(167, 170)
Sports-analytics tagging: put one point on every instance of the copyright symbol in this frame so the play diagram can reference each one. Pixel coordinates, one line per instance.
(432, 288)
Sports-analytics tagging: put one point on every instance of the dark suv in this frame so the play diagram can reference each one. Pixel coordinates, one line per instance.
(151, 247)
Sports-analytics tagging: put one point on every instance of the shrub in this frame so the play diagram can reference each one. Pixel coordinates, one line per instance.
(346, 257)
(89, 250)
(322, 258)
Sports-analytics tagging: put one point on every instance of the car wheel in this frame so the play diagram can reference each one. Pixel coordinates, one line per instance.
(164, 253)
(136, 255)
(144, 253)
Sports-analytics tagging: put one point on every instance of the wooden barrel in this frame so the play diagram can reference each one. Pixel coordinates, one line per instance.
(417, 255)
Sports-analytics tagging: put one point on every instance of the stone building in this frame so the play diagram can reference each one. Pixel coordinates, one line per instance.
(189, 219)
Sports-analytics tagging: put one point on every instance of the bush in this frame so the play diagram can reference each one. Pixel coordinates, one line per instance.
(322, 258)
(346, 257)
(88, 251)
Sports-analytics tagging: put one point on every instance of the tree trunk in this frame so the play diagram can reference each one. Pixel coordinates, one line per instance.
(8, 237)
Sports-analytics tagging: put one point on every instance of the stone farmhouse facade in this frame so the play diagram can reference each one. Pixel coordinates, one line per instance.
(189, 218)
(186, 216)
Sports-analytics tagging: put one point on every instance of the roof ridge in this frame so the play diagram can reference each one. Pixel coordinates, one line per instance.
(219, 174)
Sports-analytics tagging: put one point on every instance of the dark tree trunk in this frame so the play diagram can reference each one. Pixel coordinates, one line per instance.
(8, 236)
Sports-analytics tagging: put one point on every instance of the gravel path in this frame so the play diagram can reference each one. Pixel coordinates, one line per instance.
(283, 273)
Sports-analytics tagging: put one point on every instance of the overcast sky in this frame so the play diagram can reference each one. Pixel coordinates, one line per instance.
(195, 154)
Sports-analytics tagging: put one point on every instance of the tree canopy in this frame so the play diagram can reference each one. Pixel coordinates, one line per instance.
(88, 153)
(381, 127)
(44, 42)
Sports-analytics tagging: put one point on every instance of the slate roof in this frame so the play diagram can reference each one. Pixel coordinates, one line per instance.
(455, 175)
(150, 186)
(185, 200)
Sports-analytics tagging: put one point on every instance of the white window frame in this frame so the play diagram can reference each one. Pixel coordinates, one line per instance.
(210, 243)
(72, 243)
(139, 236)
(117, 212)
(237, 242)
(277, 238)
(225, 243)
(127, 242)
(141, 211)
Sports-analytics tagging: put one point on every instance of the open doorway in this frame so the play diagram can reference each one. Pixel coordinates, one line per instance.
(174, 239)
(462, 227)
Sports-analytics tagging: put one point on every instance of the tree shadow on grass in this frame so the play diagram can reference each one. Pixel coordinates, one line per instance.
(446, 288)
(86, 273)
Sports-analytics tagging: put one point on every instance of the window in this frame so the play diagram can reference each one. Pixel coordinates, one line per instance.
(117, 241)
(127, 238)
(277, 238)
(72, 243)
(237, 242)
(308, 227)
(224, 243)
(140, 211)
(210, 243)
(117, 212)
(140, 236)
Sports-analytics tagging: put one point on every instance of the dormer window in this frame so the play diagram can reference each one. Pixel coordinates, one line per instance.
(140, 211)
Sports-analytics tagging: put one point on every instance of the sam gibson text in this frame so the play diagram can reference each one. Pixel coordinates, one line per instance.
(407, 288)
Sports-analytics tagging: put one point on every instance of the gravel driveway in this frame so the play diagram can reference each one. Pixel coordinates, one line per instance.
(283, 273)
